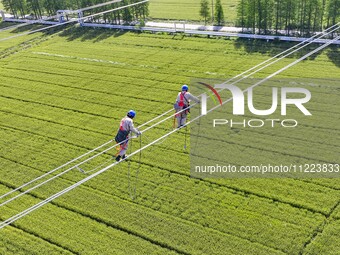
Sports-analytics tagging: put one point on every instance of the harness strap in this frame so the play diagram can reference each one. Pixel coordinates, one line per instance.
(121, 125)
(181, 99)
(122, 135)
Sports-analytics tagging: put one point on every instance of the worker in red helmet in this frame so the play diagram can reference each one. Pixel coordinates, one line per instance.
(183, 102)
(122, 137)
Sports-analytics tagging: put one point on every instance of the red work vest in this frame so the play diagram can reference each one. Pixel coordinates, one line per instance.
(181, 99)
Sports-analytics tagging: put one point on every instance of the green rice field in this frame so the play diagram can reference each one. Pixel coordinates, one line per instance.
(64, 93)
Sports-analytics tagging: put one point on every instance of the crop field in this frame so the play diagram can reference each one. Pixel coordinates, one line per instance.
(188, 10)
(64, 94)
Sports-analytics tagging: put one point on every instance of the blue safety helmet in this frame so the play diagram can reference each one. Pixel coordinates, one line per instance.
(131, 114)
(185, 88)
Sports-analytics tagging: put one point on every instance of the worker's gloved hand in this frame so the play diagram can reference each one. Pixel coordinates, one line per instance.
(139, 133)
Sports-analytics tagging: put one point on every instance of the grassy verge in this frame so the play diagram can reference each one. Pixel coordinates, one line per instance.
(189, 10)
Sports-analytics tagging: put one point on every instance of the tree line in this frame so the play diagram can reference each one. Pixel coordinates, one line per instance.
(299, 17)
(39, 8)
(217, 15)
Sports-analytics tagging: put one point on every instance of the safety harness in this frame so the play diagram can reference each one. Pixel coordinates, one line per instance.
(122, 134)
(183, 103)
(181, 99)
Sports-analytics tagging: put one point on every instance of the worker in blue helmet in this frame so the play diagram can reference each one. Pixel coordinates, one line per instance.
(183, 102)
(126, 126)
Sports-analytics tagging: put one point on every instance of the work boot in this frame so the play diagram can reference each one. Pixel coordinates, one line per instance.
(118, 158)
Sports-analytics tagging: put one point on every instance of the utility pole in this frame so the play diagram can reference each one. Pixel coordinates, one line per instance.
(212, 10)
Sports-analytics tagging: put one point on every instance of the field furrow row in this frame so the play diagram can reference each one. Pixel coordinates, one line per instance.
(229, 230)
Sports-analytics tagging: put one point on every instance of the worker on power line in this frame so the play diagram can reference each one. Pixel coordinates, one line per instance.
(126, 126)
(183, 102)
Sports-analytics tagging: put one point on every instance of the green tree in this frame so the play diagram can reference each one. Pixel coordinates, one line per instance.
(241, 14)
(36, 6)
(304, 16)
(19, 8)
(267, 9)
(219, 15)
(145, 10)
(10, 7)
(290, 15)
(333, 12)
(323, 9)
(252, 15)
(52, 6)
(126, 12)
(205, 10)
(141, 11)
